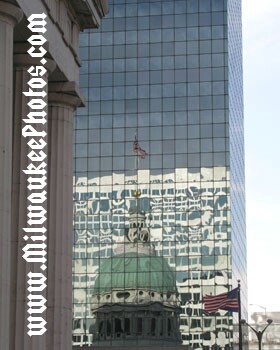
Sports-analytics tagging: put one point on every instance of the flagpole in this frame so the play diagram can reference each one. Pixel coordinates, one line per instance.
(136, 192)
(136, 156)
(239, 317)
(139, 153)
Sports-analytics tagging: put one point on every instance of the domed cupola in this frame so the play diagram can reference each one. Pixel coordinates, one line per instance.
(135, 295)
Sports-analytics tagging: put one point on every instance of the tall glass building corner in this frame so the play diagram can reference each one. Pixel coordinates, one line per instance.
(159, 197)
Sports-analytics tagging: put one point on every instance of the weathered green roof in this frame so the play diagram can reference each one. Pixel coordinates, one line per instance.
(135, 271)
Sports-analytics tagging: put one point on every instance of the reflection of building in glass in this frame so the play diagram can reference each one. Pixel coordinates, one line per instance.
(134, 295)
(161, 70)
(194, 242)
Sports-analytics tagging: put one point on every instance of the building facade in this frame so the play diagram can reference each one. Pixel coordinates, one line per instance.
(63, 22)
(162, 131)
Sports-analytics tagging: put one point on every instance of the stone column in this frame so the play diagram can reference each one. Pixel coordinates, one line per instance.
(19, 340)
(9, 16)
(63, 99)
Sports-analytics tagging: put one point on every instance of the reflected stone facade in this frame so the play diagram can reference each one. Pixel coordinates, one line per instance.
(161, 72)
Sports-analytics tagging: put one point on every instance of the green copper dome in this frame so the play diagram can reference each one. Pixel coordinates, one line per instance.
(135, 271)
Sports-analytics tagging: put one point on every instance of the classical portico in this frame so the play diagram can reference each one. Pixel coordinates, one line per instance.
(65, 19)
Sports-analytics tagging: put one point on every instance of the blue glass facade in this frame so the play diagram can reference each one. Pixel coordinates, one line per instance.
(168, 73)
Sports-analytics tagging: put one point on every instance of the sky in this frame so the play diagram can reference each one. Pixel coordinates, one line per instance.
(261, 61)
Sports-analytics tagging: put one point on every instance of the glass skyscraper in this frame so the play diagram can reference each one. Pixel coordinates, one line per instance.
(159, 208)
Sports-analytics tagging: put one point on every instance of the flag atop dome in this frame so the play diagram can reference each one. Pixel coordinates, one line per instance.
(138, 150)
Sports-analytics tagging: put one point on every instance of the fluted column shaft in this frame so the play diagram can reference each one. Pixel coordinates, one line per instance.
(9, 16)
(60, 218)
(19, 267)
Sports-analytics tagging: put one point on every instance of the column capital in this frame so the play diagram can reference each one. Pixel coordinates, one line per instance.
(10, 13)
(23, 59)
(65, 94)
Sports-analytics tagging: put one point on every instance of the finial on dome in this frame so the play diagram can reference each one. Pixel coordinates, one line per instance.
(137, 193)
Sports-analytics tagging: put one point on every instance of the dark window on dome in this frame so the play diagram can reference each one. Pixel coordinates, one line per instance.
(153, 326)
(118, 327)
(108, 328)
(123, 295)
(169, 326)
(139, 326)
(101, 328)
(161, 326)
(127, 325)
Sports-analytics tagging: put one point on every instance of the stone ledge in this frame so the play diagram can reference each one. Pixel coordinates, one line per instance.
(89, 12)
(132, 347)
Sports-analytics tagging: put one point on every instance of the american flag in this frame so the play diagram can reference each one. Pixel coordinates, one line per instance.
(138, 150)
(226, 301)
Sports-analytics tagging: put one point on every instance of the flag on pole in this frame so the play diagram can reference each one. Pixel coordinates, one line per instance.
(138, 150)
(226, 301)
